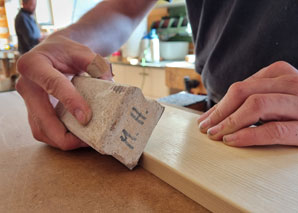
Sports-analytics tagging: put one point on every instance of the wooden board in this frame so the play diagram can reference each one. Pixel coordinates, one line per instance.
(219, 177)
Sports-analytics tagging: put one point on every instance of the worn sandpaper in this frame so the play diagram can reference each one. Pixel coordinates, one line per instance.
(122, 121)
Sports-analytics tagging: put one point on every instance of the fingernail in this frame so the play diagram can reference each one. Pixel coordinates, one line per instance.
(214, 130)
(229, 139)
(80, 116)
(204, 124)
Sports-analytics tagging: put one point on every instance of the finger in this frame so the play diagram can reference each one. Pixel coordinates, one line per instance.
(40, 135)
(284, 133)
(44, 123)
(38, 132)
(72, 58)
(274, 70)
(206, 114)
(265, 107)
(56, 84)
(240, 91)
(100, 68)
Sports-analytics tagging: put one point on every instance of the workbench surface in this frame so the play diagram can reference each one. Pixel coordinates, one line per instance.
(37, 178)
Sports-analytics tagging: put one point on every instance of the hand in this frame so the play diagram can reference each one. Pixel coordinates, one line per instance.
(269, 96)
(42, 73)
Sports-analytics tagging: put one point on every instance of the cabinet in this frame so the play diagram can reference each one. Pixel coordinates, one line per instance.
(151, 80)
(175, 79)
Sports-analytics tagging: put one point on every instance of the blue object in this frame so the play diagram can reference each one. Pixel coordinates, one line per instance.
(153, 34)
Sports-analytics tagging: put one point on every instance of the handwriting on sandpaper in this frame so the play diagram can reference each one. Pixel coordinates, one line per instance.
(126, 137)
(138, 116)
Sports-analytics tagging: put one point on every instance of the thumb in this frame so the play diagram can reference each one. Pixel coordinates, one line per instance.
(39, 70)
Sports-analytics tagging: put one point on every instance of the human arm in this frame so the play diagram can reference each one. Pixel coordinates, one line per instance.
(111, 22)
(269, 96)
(70, 51)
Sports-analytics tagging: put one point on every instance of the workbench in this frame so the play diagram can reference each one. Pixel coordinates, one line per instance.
(37, 178)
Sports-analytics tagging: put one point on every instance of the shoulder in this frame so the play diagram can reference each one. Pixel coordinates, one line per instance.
(22, 17)
(19, 17)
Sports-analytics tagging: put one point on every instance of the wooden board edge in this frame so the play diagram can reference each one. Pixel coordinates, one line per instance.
(193, 190)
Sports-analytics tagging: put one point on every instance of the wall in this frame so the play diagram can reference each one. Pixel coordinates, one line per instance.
(81, 7)
(62, 12)
(66, 12)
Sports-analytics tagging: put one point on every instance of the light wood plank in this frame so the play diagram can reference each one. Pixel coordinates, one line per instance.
(219, 177)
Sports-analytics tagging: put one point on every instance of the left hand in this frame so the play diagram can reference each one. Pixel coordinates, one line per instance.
(269, 96)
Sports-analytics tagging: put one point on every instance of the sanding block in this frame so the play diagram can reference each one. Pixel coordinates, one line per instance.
(122, 121)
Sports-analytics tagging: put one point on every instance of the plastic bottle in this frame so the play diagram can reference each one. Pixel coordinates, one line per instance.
(150, 47)
(154, 46)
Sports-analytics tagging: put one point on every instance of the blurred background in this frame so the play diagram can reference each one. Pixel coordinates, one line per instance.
(158, 57)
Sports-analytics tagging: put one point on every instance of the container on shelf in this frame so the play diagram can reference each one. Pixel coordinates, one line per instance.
(173, 50)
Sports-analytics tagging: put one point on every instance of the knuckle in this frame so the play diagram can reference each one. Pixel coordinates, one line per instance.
(216, 115)
(237, 89)
(37, 134)
(52, 84)
(68, 102)
(22, 64)
(35, 124)
(257, 103)
(283, 66)
(82, 48)
(277, 131)
(232, 121)
(279, 64)
(20, 85)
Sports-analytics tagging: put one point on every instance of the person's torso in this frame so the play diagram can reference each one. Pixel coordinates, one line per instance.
(27, 31)
(236, 38)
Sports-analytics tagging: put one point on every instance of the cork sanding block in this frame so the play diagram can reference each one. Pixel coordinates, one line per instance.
(122, 121)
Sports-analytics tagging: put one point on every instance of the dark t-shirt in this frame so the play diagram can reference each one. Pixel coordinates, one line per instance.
(27, 31)
(236, 38)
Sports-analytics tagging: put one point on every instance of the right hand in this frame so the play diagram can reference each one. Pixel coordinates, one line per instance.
(42, 74)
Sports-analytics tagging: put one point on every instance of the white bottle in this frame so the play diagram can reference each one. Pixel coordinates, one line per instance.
(154, 46)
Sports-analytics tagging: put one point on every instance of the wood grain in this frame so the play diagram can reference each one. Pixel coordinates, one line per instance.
(219, 177)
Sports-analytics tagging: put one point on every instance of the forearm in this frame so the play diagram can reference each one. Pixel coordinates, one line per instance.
(107, 26)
